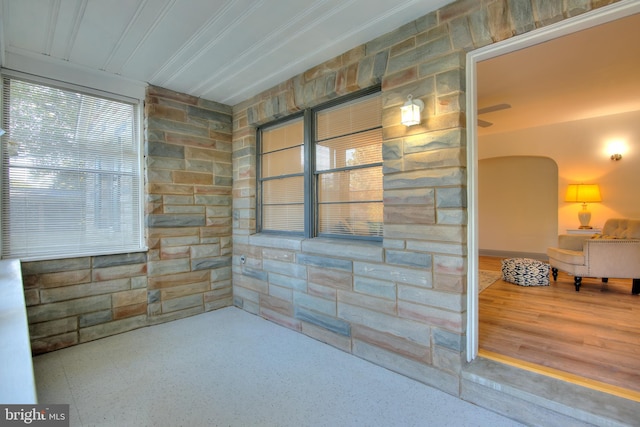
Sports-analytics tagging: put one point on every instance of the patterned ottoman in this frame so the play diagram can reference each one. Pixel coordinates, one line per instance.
(525, 272)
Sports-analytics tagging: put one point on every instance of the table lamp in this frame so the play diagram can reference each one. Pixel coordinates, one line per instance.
(583, 193)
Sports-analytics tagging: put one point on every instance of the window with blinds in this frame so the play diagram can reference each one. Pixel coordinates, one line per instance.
(71, 173)
(282, 176)
(344, 190)
(348, 165)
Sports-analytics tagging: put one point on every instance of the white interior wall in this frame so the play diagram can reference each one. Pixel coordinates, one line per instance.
(517, 204)
(580, 149)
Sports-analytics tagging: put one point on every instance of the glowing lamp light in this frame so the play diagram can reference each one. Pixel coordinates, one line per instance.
(616, 149)
(583, 193)
(411, 111)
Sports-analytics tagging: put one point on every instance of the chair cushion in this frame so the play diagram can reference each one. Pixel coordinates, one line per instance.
(622, 228)
(525, 272)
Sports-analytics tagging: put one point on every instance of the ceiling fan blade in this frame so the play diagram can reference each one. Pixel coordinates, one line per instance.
(484, 124)
(492, 108)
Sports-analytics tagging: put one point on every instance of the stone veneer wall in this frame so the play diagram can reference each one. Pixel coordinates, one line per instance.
(187, 269)
(400, 304)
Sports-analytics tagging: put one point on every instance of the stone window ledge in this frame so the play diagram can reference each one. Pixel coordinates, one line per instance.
(342, 248)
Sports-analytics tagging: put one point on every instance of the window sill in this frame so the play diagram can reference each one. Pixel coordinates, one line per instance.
(362, 250)
(87, 254)
(17, 383)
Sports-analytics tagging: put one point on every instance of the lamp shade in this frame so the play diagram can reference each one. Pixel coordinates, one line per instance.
(583, 193)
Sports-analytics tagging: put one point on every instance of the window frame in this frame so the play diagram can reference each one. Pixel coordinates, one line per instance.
(260, 180)
(138, 135)
(311, 196)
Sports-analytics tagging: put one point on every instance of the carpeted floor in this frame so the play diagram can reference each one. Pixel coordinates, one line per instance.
(231, 368)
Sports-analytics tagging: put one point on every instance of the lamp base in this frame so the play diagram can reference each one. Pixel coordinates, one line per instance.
(584, 216)
(585, 227)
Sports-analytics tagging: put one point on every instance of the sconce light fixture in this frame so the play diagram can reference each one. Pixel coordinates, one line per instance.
(411, 111)
(1, 131)
(583, 193)
(616, 148)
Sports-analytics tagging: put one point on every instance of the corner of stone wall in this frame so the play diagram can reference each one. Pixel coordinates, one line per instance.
(189, 204)
(373, 304)
(425, 213)
(187, 269)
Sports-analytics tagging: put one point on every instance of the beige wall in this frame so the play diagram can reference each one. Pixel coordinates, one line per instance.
(517, 205)
(580, 150)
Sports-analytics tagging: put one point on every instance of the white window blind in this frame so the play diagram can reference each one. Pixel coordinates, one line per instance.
(340, 192)
(71, 173)
(281, 173)
(348, 163)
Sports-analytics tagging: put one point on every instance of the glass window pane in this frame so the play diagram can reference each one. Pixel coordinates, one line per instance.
(283, 204)
(283, 162)
(282, 153)
(283, 218)
(351, 186)
(286, 135)
(348, 155)
(361, 114)
(73, 177)
(351, 219)
(352, 150)
(283, 191)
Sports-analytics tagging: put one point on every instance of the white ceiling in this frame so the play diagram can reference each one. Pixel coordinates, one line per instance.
(220, 50)
(229, 50)
(590, 73)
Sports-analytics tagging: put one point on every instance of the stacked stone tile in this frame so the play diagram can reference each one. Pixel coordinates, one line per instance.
(402, 303)
(188, 205)
(187, 269)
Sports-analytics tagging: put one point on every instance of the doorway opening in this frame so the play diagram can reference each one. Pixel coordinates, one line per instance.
(501, 147)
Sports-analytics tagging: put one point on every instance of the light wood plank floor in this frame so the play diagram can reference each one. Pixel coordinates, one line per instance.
(593, 333)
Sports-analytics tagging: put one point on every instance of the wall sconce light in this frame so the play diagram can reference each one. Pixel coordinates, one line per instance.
(583, 193)
(616, 148)
(1, 131)
(411, 111)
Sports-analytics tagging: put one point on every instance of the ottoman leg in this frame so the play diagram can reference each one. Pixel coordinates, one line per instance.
(554, 271)
(577, 281)
(635, 290)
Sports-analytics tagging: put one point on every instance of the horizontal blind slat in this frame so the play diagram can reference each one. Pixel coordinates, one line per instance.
(72, 174)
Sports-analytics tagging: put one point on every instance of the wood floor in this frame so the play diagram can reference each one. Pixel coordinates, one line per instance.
(593, 333)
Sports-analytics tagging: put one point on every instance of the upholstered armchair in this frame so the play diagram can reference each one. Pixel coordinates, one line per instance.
(613, 254)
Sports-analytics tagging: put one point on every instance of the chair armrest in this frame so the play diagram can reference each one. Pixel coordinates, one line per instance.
(613, 257)
(574, 242)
